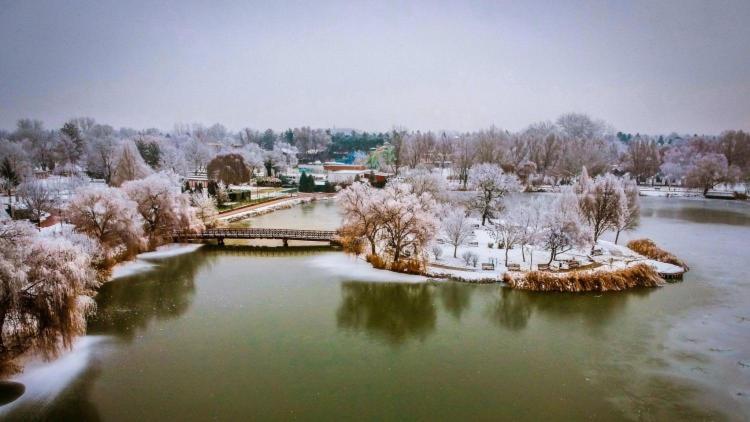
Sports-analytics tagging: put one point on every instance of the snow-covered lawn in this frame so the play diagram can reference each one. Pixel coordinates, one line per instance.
(612, 257)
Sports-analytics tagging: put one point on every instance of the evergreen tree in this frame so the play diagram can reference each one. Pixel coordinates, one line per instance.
(72, 131)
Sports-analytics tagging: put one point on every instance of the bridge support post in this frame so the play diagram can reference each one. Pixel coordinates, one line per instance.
(220, 241)
(286, 243)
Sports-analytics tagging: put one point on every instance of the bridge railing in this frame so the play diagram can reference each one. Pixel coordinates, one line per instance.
(257, 233)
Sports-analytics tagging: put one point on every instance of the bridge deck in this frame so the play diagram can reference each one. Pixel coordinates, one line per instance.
(258, 233)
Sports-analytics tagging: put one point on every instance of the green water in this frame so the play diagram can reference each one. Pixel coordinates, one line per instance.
(257, 333)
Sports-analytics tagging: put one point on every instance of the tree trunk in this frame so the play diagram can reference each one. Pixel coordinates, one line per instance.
(617, 236)
(455, 250)
(523, 253)
(506, 254)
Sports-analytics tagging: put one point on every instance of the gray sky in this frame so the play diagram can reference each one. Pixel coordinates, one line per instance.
(646, 66)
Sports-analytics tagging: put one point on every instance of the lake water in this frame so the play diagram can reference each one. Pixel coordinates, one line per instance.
(310, 333)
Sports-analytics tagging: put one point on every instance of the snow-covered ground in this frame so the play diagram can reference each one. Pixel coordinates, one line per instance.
(667, 192)
(613, 257)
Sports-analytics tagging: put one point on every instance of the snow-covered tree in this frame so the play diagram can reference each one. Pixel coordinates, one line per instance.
(161, 206)
(108, 215)
(564, 227)
(530, 217)
(360, 219)
(456, 228)
(630, 209)
(172, 158)
(205, 208)
(707, 171)
(491, 184)
(101, 155)
(130, 165)
(409, 222)
(197, 154)
(37, 197)
(43, 283)
(508, 228)
(600, 203)
(425, 181)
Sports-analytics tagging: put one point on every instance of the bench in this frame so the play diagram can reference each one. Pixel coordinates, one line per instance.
(597, 252)
(542, 267)
(488, 266)
(474, 244)
(514, 267)
(573, 264)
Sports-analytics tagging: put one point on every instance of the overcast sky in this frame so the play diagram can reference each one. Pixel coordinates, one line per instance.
(649, 67)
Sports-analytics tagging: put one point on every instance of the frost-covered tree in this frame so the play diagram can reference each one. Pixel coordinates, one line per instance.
(491, 184)
(253, 156)
(564, 227)
(456, 228)
(101, 155)
(109, 216)
(197, 154)
(43, 286)
(425, 181)
(130, 165)
(508, 228)
(409, 222)
(37, 197)
(601, 203)
(360, 217)
(530, 218)
(581, 126)
(205, 208)
(464, 156)
(707, 171)
(162, 207)
(171, 158)
(630, 209)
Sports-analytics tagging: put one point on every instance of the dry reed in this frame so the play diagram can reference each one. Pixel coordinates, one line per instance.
(640, 275)
(648, 248)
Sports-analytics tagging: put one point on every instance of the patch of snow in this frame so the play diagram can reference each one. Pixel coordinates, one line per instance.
(128, 268)
(173, 249)
(358, 269)
(44, 381)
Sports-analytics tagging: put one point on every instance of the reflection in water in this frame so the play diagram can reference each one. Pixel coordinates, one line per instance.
(456, 298)
(697, 211)
(513, 308)
(129, 303)
(389, 311)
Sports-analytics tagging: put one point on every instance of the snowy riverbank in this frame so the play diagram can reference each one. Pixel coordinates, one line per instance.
(144, 262)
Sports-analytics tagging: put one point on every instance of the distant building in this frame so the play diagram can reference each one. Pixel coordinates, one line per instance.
(197, 177)
(333, 167)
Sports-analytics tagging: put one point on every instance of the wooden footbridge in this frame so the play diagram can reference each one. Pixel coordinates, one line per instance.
(285, 235)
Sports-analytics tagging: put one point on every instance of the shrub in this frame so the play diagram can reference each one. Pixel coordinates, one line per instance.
(648, 248)
(410, 266)
(640, 275)
(376, 261)
(437, 252)
(470, 258)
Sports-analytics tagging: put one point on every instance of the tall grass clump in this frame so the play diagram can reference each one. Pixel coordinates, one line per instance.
(648, 248)
(640, 275)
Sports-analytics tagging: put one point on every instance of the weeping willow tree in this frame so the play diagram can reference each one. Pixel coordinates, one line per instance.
(46, 285)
